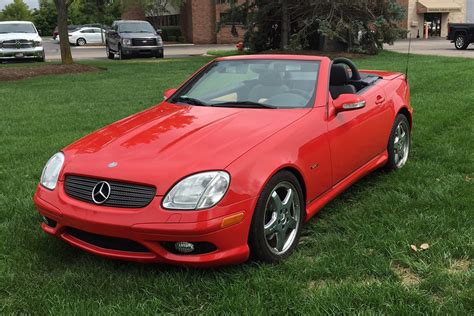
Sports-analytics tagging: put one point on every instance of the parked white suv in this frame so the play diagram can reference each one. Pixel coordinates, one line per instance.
(20, 40)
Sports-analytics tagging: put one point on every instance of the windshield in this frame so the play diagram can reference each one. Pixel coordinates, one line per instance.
(136, 27)
(253, 83)
(17, 28)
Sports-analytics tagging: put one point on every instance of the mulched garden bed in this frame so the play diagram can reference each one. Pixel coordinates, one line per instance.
(19, 73)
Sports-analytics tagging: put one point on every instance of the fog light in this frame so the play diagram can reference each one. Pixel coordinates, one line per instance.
(184, 247)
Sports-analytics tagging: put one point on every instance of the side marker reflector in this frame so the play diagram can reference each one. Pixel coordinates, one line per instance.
(232, 219)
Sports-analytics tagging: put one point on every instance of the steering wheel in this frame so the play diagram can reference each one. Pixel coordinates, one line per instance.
(351, 65)
(300, 93)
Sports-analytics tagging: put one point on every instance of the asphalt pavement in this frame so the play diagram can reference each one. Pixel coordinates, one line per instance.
(437, 47)
(98, 52)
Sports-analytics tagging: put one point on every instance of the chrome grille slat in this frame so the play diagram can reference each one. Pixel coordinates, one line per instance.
(123, 195)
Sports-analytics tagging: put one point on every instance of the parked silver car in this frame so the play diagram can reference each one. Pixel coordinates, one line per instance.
(20, 40)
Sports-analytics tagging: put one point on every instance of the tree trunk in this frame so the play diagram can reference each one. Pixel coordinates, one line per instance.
(61, 8)
(285, 24)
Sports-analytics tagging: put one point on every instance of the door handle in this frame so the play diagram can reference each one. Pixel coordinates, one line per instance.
(380, 99)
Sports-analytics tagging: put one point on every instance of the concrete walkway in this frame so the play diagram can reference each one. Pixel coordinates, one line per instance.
(437, 47)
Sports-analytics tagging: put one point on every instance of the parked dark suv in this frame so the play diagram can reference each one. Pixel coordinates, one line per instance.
(128, 38)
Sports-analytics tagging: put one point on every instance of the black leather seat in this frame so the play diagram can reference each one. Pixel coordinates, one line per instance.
(339, 81)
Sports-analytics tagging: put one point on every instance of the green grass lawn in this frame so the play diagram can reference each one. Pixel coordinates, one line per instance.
(354, 256)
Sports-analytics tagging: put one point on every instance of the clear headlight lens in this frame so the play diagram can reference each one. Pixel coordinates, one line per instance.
(50, 175)
(159, 41)
(197, 192)
(127, 41)
(38, 44)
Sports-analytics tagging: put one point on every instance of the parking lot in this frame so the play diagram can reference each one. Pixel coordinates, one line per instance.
(436, 47)
(98, 52)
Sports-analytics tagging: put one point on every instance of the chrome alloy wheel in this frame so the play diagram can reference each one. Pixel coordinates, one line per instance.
(282, 218)
(460, 41)
(401, 144)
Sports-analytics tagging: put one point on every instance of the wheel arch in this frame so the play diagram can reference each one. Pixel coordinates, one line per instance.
(298, 176)
(408, 115)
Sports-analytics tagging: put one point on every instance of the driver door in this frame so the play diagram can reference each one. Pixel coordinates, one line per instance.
(358, 136)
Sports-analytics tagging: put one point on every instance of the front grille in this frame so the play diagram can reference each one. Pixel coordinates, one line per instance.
(122, 194)
(18, 44)
(144, 42)
(106, 242)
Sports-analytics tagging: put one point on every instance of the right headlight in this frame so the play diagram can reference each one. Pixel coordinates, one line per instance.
(50, 175)
(198, 191)
(127, 42)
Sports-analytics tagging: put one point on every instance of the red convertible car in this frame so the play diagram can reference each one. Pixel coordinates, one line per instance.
(230, 165)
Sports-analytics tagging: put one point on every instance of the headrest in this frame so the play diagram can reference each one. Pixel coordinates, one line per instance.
(270, 78)
(339, 75)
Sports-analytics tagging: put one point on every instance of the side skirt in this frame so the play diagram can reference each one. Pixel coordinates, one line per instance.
(314, 206)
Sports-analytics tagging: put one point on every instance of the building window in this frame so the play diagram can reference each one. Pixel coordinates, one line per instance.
(229, 19)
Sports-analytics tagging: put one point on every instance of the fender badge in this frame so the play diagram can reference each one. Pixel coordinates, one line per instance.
(113, 164)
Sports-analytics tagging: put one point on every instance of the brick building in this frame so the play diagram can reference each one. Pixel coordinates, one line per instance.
(436, 14)
(198, 20)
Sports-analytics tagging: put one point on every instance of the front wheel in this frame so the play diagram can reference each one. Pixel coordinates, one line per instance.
(460, 42)
(110, 55)
(277, 220)
(399, 143)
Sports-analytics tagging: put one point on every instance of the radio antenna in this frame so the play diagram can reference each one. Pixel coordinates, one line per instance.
(408, 56)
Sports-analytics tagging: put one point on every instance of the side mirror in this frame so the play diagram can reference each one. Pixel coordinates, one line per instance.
(348, 102)
(159, 31)
(168, 93)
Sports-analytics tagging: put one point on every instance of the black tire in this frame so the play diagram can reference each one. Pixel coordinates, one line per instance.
(108, 52)
(260, 248)
(461, 42)
(394, 147)
(81, 42)
(160, 55)
(42, 59)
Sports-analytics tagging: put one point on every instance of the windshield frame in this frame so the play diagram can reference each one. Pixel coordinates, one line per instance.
(187, 86)
(33, 28)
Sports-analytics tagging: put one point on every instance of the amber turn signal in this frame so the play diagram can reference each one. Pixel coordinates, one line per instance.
(232, 219)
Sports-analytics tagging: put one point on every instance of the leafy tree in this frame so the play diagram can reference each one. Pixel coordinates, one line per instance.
(359, 26)
(45, 17)
(16, 11)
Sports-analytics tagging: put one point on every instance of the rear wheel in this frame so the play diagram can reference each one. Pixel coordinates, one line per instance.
(277, 220)
(399, 143)
(81, 42)
(460, 41)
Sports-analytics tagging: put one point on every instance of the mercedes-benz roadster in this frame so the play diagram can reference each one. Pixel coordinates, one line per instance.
(230, 165)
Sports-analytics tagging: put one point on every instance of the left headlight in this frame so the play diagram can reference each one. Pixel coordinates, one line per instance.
(38, 44)
(197, 192)
(50, 175)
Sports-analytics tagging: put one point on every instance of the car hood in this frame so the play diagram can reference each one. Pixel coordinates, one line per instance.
(20, 36)
(138, 35)
(168, 142)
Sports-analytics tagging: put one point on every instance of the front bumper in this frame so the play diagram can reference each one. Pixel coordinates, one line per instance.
(150, 227)
(23, 53)
(142, 50)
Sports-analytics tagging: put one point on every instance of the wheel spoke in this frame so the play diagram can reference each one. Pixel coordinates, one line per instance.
(288, 200)
(280, 239)
(277, 203)
(271, 226)
(292, 223)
